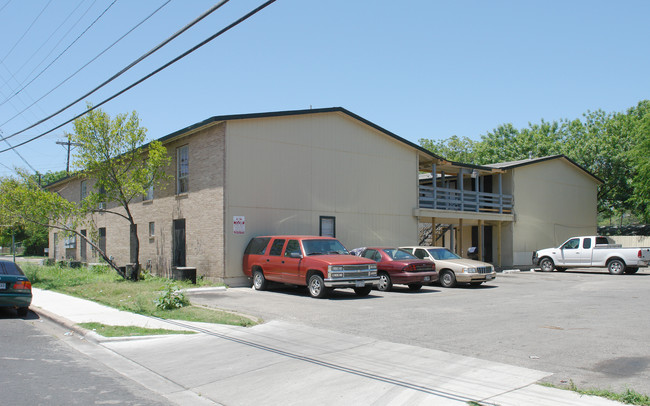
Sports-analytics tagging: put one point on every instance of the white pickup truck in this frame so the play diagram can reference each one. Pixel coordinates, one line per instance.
(592, 251)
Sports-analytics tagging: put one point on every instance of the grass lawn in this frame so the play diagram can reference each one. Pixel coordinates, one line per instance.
(103, 285)
(129, 331)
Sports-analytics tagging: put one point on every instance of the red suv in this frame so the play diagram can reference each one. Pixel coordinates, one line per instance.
(320, 263)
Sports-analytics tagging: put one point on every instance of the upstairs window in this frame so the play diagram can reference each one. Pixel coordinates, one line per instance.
(149, 194)
(102, 193)
(182, 169)
(84, 189)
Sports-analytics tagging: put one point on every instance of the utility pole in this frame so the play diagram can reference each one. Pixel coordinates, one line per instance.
(68, 144)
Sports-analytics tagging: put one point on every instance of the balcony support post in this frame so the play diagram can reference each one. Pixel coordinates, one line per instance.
(500, 193)
(477, 190)
(461, 186)
(434, 183)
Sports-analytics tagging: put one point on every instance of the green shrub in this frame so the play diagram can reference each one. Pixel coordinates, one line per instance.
(171, 298)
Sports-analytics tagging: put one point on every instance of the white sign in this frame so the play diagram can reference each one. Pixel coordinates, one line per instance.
(239, 224)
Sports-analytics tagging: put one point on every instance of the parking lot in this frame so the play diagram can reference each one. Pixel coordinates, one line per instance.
(584, 326)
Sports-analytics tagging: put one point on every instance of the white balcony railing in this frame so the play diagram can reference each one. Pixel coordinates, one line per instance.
(453, 199)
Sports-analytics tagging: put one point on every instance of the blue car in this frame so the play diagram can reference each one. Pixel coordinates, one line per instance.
(15, 288)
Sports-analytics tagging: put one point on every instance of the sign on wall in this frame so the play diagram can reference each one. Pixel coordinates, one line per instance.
(239, 224)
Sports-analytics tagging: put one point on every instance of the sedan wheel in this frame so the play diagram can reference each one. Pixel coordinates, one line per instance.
(447, 279)
(385, 284)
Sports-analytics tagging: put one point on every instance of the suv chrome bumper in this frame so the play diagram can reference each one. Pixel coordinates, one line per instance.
(351, 282)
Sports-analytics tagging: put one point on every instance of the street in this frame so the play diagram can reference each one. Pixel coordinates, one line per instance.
(585, 326)
(36, 368)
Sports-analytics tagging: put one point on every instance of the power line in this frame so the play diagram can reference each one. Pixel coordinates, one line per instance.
(181, 56)
(49, 37)
(60, 54)
(6, 4)
(88, 63)
(132, 64)
(20, 156)
(26, 31)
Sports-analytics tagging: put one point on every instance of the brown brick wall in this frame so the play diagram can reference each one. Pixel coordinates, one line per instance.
(201, 207)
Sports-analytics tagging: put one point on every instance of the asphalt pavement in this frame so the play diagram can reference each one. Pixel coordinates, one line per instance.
(282, 362)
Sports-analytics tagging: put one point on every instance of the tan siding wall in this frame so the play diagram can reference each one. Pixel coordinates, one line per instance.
(554, 200)
(284, 172)
(202, 209)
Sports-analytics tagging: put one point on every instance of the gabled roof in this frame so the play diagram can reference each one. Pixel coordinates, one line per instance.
(231, 117)
(525, 162)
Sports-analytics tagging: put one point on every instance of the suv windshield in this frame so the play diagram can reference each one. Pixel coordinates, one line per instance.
(324, 247)
(443, 253)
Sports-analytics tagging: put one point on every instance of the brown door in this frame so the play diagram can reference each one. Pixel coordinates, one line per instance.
(178, 243)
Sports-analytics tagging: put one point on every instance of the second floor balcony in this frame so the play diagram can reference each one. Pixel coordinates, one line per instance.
(466, 189)
(439, 198)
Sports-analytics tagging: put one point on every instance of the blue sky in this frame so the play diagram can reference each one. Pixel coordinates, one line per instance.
(421, 69)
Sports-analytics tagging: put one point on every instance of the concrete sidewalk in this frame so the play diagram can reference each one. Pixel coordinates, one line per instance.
(285, 363)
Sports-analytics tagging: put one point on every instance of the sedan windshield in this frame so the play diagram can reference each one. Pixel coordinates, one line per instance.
(397, 254)
(324, 247)
(443, 253)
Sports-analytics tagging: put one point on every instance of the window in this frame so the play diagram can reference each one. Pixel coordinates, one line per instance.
(102, 193)
(372, 254)
(327, 226)
(572, 244)
(152, 229)
(149, 193)
(257, 246)
(182, 169)
(70, 242)
(422, 254)
(293, 247)
(276, 247)
(102, 239)
(84, 189)
(586, 243)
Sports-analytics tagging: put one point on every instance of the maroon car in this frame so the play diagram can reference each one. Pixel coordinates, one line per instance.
(396, 266)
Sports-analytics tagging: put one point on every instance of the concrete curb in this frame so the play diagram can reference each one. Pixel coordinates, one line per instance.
(90, 335)
(205, 290)
(68, 324)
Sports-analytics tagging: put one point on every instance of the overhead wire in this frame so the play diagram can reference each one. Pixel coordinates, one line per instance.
(176, 59)
(132, 64)
(48, 38)
(60, 54)
(87, 63)
(6, 4)
(26, 31)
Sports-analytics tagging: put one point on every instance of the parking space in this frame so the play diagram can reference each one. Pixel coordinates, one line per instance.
(586, 326)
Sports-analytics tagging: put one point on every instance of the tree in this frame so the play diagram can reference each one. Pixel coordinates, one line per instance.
(112, 152)
(639, 123)
(24, 204)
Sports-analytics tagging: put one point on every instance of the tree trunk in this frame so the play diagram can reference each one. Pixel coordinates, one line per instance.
(134, 249)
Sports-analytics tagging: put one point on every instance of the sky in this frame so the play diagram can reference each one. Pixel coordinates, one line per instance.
(418, 68)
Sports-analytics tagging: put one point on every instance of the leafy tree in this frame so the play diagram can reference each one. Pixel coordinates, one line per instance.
(24, 204)
(113, 154)
(457, 149)
(639, 123)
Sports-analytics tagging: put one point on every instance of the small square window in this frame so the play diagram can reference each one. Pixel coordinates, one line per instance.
(327, 226)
